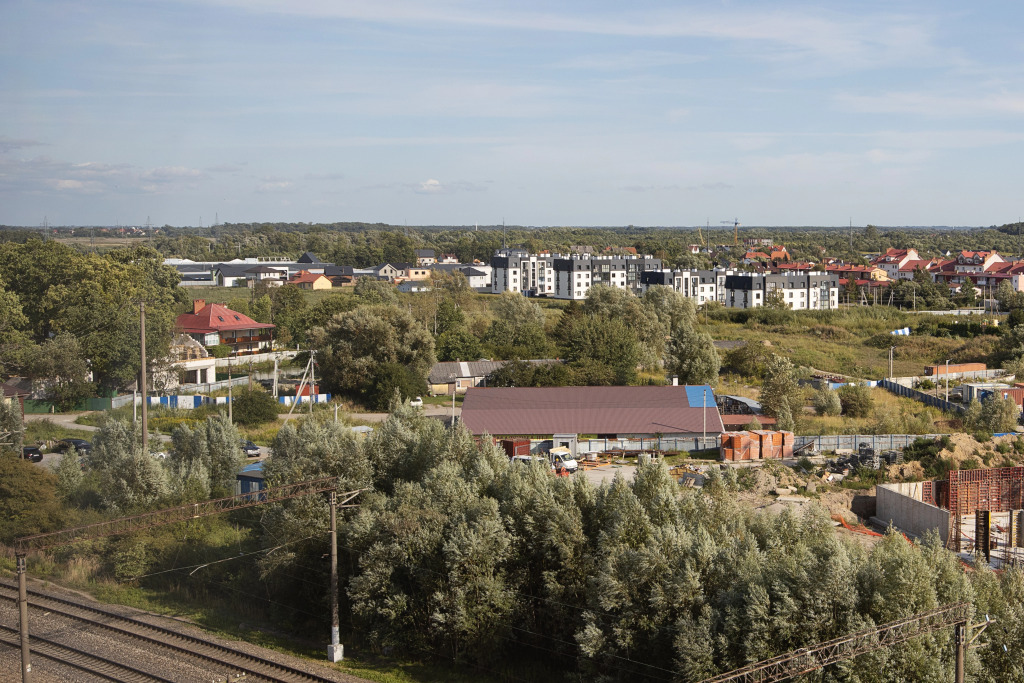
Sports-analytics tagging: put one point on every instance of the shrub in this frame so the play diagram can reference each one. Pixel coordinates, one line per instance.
(856, 400)
(253, 407)
(219, 350)
(826, 402)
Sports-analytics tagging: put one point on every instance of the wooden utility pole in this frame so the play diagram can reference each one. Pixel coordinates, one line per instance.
(26, 654)
(142, 377)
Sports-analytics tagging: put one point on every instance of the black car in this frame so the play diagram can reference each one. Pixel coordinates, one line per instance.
(81, 445)
(250, 449)
(32, 453)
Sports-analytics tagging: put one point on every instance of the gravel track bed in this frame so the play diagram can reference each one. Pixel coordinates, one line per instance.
(139, 655)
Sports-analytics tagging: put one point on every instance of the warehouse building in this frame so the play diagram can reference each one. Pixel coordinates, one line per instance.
(567, 414)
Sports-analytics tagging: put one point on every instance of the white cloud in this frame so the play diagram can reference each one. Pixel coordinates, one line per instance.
(269, 186)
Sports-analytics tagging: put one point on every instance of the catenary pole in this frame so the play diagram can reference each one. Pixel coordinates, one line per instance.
(26, 653)
(335, 651)
(142, 377)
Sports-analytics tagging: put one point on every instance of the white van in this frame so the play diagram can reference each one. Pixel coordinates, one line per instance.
(561, 459)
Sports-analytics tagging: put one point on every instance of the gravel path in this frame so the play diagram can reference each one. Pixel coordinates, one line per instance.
(104, 643)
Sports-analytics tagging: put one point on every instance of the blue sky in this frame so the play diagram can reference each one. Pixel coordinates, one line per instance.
(541, 113)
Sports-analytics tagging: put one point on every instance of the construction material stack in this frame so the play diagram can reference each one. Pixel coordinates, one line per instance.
(761, 444)
(514, 447)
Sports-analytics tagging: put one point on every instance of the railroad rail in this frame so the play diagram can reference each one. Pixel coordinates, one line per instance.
(94, 665)
(254, 667)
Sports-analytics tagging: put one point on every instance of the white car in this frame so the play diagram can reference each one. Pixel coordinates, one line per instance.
(417, 402)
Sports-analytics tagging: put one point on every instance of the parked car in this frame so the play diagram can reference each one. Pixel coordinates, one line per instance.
(417, 402)
(81, 445)
(250, 449)
(32, 453)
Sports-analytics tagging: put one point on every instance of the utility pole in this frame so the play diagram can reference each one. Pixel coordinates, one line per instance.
(142, 377)
(230, 401)
(947, 380)
(312, 382)
(960, 638)
(26, 652)
(335, 651)
(891, 349)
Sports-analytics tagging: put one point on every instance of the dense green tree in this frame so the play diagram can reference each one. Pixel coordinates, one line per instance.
(252, 407)
(856, 400)
(779, 382)
(967, 297)
(131, 480)
(612, 303)
(673, 309)
(826, 401)
(354, 345)
(999, 414)
(518, 328)
(61, 367)
(288, 309)
(372, 291)
(261, 309)
(458, 344)
(28, 499)
(11, 427)
(605, 341)
(449, 317)
(784, 419)
(389, 380)
(206, 457)
(692, 355)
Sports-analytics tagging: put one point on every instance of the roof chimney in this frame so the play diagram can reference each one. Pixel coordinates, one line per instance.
(675, 380)
(198, 305)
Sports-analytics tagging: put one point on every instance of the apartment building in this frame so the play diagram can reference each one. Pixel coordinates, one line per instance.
(566, 276)
(801, 291)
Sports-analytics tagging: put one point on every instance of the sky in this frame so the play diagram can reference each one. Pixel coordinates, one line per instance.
(183, 112)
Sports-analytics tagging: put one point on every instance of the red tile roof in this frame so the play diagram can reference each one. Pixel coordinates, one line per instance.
(217, 317)
(587, 410)
(304, 276)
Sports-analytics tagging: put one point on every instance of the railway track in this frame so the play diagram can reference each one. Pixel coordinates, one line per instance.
(227, 659)
(80, 660)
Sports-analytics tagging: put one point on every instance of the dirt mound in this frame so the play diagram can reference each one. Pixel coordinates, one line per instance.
(964, 447)
(908, 471)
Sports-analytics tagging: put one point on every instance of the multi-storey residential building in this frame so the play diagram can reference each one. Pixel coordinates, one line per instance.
(566, 276)
(801, 291)
(700, 285)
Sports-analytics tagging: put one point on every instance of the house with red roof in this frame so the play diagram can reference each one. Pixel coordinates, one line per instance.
(858, 272)
(893, 259)
(213, 324)
(306, 280)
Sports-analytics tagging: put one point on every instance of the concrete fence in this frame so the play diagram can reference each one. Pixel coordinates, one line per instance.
(850, 442)
(316, 398)
(927, 399)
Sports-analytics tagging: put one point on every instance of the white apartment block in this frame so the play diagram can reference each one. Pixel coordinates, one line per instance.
(566, 276)
(737, 289)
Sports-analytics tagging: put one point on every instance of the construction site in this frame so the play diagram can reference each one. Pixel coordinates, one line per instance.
(977, 512)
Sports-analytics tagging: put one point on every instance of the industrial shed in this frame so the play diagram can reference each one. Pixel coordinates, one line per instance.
(605, 412)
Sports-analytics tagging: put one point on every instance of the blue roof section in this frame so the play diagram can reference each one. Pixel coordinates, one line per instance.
(252, 468)
(695, 396)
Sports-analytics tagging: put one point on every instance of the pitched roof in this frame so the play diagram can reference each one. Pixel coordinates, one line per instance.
(306, 276)
(449, 371)
(308, 257)
(590, 410)
(217, 317)
(424, 253)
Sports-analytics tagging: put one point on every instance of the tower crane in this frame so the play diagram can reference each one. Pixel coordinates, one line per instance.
(735, 222)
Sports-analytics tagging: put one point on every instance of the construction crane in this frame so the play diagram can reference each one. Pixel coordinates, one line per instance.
(735, 222)
(701, 235)
(817, 656)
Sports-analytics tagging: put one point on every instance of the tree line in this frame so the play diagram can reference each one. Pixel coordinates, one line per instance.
(457, 554)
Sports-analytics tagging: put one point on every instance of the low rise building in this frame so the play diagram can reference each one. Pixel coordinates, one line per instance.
(216, 324)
